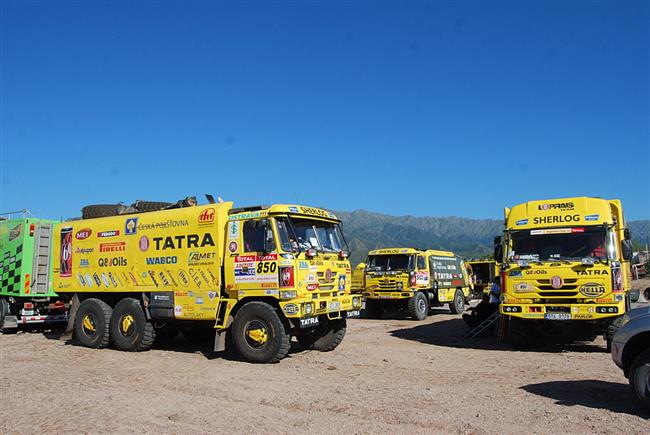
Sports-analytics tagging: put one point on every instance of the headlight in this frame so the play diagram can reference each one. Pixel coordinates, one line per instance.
(356, 302)
(400, 286)
(308, 308)
(288, 294)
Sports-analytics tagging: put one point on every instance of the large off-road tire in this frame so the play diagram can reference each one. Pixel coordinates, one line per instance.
(146, 206)
(374, 309)
(611, 330)
(259, 335)
(325, 339)
(519, 333)
(92, 323)
(418, 306)
(640, 378)
(198, 335)
(457, 306)
(646, 294)
(130, 329)
(5, 310)
(101, 210)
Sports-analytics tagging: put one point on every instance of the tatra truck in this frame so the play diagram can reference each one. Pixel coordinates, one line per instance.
(257, 276)
(414, 280)
(26, 295)
(565, 272)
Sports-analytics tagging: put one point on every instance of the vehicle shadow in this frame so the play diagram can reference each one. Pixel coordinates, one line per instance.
(595, 394)
(451, 333)
(176, 344)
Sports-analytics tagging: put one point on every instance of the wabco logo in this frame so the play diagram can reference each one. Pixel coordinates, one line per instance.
(206, 216)
(557, 206)
(162, 260)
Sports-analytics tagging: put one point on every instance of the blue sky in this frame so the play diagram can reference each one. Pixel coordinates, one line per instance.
(437, 108)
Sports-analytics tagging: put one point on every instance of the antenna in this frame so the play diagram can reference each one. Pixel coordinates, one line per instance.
(210, 198)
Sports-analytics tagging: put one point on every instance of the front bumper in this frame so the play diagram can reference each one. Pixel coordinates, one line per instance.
(562, 311)
(310, 312)
(401, 294)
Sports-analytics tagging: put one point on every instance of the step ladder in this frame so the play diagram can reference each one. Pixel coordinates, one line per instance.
(485, 324)
(42, 258)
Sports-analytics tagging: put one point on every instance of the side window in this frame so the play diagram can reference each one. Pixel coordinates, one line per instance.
(254, 233)
(422, 263)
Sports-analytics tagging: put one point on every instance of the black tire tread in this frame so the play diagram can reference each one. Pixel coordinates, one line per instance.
(330, 341)
(283, 335)
(147, 206)
(413, 308)
(149, 332)
(452, 304)
(101, 210)
(106, 312)
(639, 360)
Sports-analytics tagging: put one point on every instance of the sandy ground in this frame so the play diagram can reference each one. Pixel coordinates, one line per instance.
(388, 376)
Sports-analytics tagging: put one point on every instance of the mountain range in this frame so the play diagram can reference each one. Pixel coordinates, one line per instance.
(469, 238)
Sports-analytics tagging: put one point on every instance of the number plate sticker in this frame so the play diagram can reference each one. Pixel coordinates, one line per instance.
(309, 321)
(353, 314)
(335, 306)
(557, 316)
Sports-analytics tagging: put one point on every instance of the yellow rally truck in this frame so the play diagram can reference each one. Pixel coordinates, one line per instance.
(414, 280)
(565, 270)
(358, 276)
(259, 274)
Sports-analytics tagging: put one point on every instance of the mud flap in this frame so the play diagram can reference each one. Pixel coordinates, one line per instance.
(220, 336)
(10, 322)
(72, 314)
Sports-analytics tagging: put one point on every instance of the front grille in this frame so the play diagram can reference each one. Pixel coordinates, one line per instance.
(564, 287)
(322, 281)
(557, 294)
(566, 281)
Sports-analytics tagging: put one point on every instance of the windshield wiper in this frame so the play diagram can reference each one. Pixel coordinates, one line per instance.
(559, 259)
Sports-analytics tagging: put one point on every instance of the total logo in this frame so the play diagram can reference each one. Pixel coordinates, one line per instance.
(206, 217)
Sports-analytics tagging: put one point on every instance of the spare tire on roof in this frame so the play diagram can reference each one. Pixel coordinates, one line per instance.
(144, 206)
(102, 210)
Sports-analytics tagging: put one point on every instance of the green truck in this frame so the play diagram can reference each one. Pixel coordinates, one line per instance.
(26, 294)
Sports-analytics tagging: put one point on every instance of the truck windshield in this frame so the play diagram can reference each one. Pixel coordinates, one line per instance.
(559, 243)
(299, 234)
(385, 263)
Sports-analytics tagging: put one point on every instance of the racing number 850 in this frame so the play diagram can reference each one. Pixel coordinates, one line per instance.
(267, 267)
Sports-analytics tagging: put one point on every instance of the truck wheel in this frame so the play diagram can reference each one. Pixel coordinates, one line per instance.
(101, 210)
(145, 206)
(325, 340)
(130, 330)
(259, 335)
(374, 309)
(611, 331)
(91, 324)
(457, 306)
(519, 335)
(640, 378)
(418, 306)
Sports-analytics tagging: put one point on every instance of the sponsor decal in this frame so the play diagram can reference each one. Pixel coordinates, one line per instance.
(303, 265)
(287, 278)
(556, 219)
(294, 210)
(82, 281)
(163, 225)
(314, 211)
(112, 279)
(152, 276)
(593, 272)
(328, 274)
(135, 281)
(89, 280)
(112, 247)
(84, 262)
(535, 272)
(232, 247)
(200, 258)
(163, 278)
(341, 282)
(14, 232)
(212, 295)
(131, 226)
(583, 316)
(206, 217)
(171, 278)
(556, 206)
(183, 241)
(83, 234)
(84, 250)
(514, 273)
(592, 217)
(309, 321)
(311, 278)
(557, 282)
(557, 231)
(111, 233)
(592, 290)
(144, 243)
(522, 222)
(195, 277)
(233, 230)
(185, 280)
(253, 268)
(171, 259)
(112, 262)
(105, 280)
(291, 309)
(178, 310)
(312, 287)
(522, 287)
(204, 276)
(198, 300)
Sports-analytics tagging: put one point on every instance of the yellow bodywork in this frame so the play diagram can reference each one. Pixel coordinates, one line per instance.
(482, 273)
(564, 289)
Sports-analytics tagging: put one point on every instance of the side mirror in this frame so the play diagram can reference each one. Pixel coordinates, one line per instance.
(498, 253)
(626, 234)
(627, 250)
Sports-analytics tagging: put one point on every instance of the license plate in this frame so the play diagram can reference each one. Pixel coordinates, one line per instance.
(353, 314)
(335, 306)
(28, 312)
(309, 321)
(384, 296)
(557, 316)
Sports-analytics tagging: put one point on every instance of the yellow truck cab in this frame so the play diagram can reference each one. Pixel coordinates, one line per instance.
(414, 280)
(358, 277)
(261, 274)
(483, 273)
(565, 268)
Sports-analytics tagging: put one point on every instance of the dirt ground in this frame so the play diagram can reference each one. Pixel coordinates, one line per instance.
(388, 376)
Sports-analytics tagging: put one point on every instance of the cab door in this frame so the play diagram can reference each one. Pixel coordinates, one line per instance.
(251, 262)
(422, 275)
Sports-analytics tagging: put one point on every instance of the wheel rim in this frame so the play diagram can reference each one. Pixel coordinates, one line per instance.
(460, 304)
(256, 334)
(127, 322)
(422, 305)
(89, 324)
